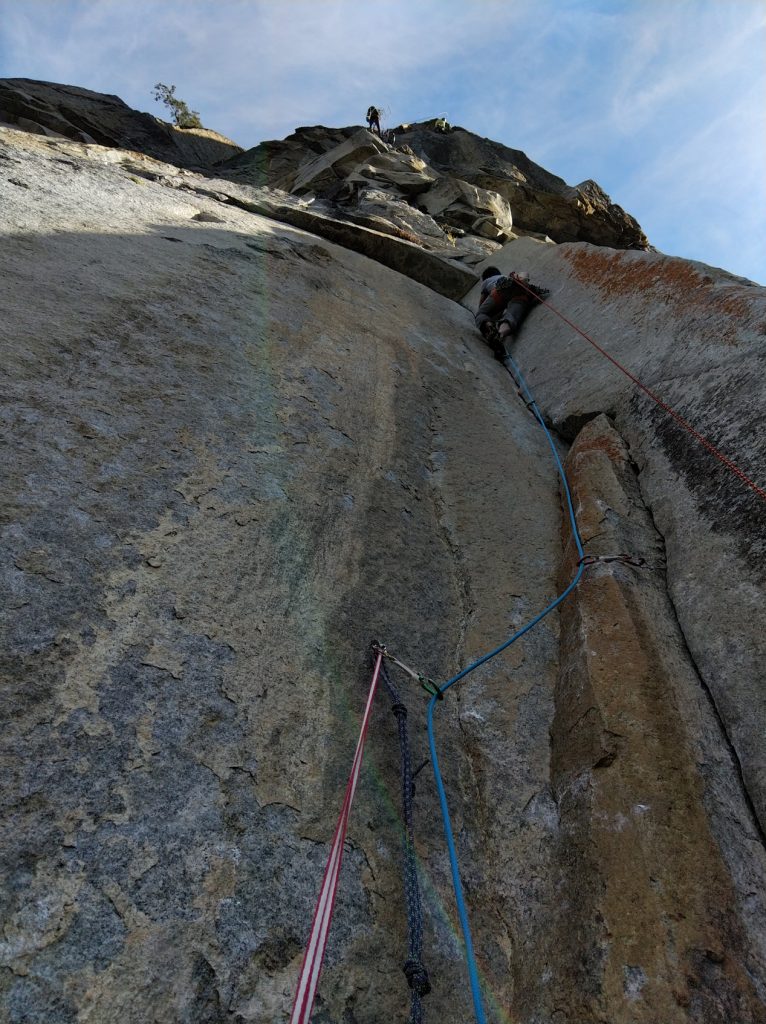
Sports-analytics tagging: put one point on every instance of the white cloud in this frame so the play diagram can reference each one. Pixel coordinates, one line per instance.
(705, 193)
(677, 56)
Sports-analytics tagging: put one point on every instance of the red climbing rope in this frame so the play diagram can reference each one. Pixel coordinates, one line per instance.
(320, 926)
(656, 398)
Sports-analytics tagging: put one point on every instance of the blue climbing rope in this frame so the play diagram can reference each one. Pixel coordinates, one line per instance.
(473, 973)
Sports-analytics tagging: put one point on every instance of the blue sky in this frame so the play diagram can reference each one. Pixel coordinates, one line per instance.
(662, 102)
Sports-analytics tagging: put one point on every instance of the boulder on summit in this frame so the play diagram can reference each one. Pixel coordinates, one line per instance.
(475, 210)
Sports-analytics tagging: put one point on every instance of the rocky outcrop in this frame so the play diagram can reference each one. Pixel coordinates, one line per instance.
(325, 171)
(464, 185)
(238, 450)
(359, 171)
(358, 180)
(473, 209)
(467, 184)
(403, 173)
(65, 110)
(276, 162)
(541, 202)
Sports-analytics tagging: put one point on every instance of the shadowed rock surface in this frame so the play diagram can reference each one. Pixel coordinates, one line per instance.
(49, 109)
(237, 452)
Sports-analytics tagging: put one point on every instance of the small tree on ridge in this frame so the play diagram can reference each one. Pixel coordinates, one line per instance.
(182, 116)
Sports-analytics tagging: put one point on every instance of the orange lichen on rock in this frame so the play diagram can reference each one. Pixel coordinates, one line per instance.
(607, 443)
(674, 280)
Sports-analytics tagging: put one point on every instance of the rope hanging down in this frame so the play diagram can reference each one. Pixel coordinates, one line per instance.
(700, 438)
(417, 976)
(320, 926)
(473, 973)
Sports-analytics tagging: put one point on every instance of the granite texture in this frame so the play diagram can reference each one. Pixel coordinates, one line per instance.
(235, 453)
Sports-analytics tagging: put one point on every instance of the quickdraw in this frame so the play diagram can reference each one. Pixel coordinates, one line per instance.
(428, 685)
(634, 560)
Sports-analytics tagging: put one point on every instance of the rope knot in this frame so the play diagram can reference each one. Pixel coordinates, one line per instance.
(399, 710)
(417, 977)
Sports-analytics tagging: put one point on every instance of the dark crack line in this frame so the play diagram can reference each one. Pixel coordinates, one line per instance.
(736, 763)
(704, 686)
(460, 574)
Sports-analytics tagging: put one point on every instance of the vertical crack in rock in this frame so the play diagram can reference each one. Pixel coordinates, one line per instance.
(705, 688)
(451, 541)
(629, 719)
(694, 333)
(509, 496)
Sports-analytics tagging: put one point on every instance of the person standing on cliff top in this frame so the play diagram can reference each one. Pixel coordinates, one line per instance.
(373, 119)
(504, 305)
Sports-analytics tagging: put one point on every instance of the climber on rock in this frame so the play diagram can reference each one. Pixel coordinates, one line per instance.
(504, 304)
(373, 119)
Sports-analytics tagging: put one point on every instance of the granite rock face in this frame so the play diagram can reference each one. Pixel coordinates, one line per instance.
(475, 210)
(241, 454)
(237, 451)
(632, 714)
(694, 335)
(541, 202)
(66, 110)
(466, 183)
